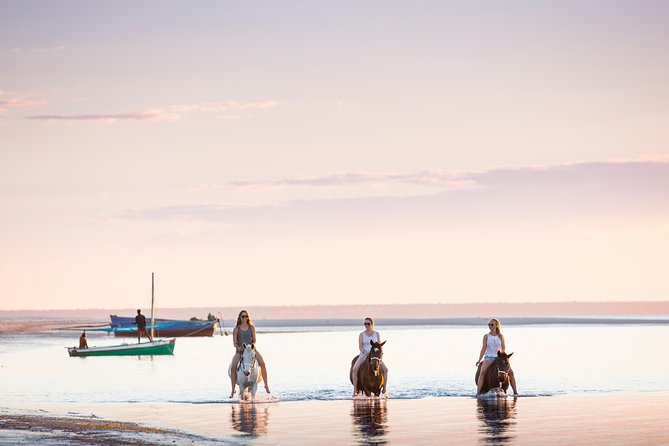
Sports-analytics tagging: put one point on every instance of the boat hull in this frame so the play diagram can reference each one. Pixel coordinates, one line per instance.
(165, 328)
(161, 347)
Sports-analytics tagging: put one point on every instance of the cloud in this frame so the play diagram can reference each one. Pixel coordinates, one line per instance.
(50, 49)
(435, 178)
(606, 189)
(104, 118)
(13, 100)
(169, 113)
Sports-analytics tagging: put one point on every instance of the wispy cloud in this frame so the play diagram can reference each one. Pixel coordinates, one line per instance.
(104, 118)
(50, 49)
(14, 100)
(613, 189)
(434, 178)
(174, 112)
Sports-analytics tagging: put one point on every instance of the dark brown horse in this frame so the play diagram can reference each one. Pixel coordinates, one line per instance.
(370, 377)
(497, 374)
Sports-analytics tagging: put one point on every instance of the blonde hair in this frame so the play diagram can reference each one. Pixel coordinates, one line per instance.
(248, 318)
(498, 325)
(371, 321)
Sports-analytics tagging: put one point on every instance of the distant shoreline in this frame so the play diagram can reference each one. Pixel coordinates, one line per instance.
(266, 325)
(382, 311)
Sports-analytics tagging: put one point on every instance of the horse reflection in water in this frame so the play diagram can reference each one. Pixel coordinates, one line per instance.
(370, 419)
(249, 419)
(497, 416)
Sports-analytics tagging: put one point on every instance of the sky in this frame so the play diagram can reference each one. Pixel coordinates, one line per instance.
(313, 153)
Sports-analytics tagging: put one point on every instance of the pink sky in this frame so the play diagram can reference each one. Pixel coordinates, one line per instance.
(303, 153)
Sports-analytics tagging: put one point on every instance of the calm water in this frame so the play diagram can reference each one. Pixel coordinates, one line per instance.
(313, 364)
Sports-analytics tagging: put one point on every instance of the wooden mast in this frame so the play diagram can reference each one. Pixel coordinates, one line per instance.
(153, 315)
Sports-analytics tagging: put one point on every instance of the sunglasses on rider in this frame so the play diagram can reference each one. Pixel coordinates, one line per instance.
(491, 325)
(368, 323)
(244, 316)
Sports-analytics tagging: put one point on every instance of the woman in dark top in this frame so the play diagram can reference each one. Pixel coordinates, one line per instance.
(245, 333)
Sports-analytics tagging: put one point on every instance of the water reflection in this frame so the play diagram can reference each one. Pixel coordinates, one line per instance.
(250, 419)
(370, 420)
(497, 417)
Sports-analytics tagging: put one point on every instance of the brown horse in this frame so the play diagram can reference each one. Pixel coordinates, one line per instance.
(370, 377)
(496, 375)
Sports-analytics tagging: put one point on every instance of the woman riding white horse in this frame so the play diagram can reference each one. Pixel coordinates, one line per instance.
(248, 373)
(245, 333)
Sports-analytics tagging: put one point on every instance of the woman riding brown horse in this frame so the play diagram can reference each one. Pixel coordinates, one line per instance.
(497, 375)
(370, 378)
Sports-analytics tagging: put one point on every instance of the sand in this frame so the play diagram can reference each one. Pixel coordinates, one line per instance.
(611, 419)
(53, 430)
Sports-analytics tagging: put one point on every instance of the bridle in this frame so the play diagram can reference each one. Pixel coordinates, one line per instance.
(502, 375)
(371, 358)
(241, 362)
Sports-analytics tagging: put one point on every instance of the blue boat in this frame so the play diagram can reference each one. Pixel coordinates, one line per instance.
(125, 326)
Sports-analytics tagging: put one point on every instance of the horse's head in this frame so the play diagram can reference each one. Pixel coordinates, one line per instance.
(503, 365)
(248, 358)
(375, 356)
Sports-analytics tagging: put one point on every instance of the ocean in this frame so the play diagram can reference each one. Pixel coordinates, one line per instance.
(428, 364)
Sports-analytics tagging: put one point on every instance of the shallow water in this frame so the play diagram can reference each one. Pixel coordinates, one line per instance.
(313, 364)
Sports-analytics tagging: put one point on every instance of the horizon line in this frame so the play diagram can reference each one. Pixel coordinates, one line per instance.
(593, 302)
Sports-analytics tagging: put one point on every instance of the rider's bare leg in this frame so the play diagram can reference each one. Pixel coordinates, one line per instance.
(263, 370)
(512, 379)
(484, 366)
(384, 370)
(233, 373)
(354, 374)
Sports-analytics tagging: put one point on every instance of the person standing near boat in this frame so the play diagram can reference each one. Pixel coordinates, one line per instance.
(83, 343)
(245, 333)
(140, 321)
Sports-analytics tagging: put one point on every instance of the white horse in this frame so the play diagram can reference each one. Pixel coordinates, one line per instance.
(248, 373)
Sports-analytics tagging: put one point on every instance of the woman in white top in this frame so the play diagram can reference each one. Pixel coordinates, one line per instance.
(493, 342)
(364, 346)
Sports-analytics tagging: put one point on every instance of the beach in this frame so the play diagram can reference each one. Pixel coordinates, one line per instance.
(52, 399)
(618, 419)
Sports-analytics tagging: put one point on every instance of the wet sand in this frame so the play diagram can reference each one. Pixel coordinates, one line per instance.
(611, 419)
(52, 430)
(39, 326)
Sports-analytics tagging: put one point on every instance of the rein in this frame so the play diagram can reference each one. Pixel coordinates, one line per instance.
(502, 375)
(241, 360)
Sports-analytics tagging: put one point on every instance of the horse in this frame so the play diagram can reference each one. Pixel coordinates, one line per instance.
(248, 373)
(370, 377)
(496, 375)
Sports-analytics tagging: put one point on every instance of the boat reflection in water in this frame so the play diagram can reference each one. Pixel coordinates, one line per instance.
(497, 417)
(249, 419)
(370, 421)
